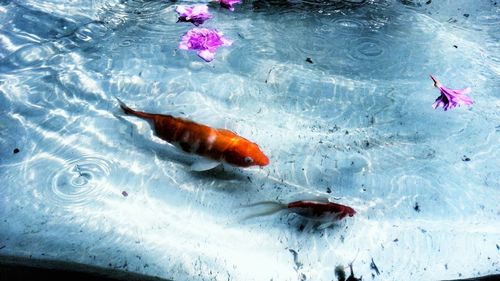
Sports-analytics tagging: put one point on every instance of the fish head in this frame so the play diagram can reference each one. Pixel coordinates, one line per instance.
(349, 211)
(245, 154)
(342, 211)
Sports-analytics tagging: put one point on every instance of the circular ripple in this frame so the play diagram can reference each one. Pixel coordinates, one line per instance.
(79, 181)
(317, 45)
(367, 49)
(133, 11)
(126, 43)
(32, 55)
(91, 32)
(347, 26)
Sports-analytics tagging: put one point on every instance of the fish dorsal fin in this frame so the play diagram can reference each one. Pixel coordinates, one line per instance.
(204, 164)
(226, 133)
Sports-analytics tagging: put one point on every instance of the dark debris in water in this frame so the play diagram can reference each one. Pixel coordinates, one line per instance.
(351, 277)
(466, 159)
(455, 46)
(124, 193)
(428, 2)
(301, 227)
(373, 266)
(16, 150)
(466, 15)
(309, 60)
(295, 259)
(416, 207)
(340, 273)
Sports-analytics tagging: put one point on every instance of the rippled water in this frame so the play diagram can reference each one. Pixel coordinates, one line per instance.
(335, 92)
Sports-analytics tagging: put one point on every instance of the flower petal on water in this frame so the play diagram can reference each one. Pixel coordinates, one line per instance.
(206, 55)
(450, 98)
(205, 41)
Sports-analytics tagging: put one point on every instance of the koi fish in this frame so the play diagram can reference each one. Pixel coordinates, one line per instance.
(312, 209)
(214, 145)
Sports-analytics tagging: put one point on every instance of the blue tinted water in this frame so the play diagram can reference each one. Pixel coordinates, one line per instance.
(355, 125)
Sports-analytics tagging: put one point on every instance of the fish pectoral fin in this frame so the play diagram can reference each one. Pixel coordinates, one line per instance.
(204, 165)
(325, 225)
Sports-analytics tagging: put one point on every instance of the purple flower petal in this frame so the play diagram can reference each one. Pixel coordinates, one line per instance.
(207, 55)
(196, 15)
(450, 98)
(228, 4)
(204, 41)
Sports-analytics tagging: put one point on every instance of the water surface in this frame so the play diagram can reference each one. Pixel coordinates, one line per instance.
(337, 94)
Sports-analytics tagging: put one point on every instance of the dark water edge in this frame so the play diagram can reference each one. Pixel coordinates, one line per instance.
(493, 277)
(21, 268)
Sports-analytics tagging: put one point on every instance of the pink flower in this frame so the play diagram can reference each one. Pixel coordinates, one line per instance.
(196, 14)
(204, 41)
(450, 98)
(228, 4)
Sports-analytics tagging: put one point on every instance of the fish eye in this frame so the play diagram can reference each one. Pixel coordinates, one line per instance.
(248, 160)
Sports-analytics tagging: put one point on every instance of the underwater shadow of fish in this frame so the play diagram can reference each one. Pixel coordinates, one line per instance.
(311, 227)
(229, 179)
(147, 145)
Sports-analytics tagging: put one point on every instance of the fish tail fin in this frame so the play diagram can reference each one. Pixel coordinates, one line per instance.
(265, 208)
(130, 111)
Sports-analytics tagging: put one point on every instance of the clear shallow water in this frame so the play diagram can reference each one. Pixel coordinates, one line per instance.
(357, 123)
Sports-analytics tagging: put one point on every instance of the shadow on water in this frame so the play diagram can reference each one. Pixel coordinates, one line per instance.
(223, 173)
(20, 268)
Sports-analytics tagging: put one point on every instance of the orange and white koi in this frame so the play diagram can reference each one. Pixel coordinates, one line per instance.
(214, 145)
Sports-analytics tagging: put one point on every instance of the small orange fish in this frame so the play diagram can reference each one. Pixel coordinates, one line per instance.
(215, 145)
(312, 209)
(320, 209)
